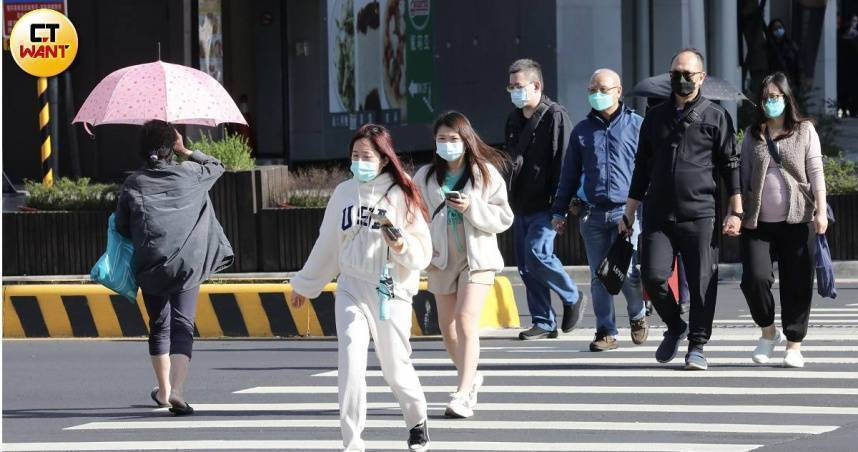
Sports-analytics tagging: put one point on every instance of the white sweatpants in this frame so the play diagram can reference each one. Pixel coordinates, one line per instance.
(357, 319)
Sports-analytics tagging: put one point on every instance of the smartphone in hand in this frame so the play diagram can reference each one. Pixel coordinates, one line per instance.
(453, 196)
(380, 218)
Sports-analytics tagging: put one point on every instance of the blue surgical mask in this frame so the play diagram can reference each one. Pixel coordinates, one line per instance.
(774, 107)
(519, 97)
(600, 101)
(450, 151)
(364, 171)
(779, 32)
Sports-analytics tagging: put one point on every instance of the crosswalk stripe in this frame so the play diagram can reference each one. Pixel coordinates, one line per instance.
(815, 315)
(651, 348)
(370, 445)
(541, 407)
(445, 424)
(671, 372)
(725, 334)
(815, 310)
(751, 322)
(697, 390)
(624, 360)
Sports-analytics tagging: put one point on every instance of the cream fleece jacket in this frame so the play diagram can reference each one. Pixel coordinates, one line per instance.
(487, 215)
(351, 243)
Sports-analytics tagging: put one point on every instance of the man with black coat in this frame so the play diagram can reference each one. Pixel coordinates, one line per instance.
(537, 135)
(685, 144)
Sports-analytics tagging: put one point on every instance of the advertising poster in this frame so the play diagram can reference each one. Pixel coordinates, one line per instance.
(379, 62)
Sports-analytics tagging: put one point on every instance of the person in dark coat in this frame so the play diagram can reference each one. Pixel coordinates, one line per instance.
(165, 210)
(783, 53)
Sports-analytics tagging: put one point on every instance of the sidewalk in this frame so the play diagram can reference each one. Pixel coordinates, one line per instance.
(847, 138)
(844, 271)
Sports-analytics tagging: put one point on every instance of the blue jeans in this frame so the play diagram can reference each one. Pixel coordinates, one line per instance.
(540, 269)
(599, 230)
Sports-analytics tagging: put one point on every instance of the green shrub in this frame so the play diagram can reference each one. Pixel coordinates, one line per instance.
(841, 176)
(233, 151)
(312, 187)
(68, 194)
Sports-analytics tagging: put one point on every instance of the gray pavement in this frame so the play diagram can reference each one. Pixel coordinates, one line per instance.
(540, 395)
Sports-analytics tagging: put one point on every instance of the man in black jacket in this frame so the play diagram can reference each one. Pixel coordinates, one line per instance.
(684, 144)
(537, 135)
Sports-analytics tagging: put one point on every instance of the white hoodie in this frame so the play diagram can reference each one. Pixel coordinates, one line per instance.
(487, 215)
(351, 243)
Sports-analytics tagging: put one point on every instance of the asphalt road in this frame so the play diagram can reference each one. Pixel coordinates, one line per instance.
(540, 395)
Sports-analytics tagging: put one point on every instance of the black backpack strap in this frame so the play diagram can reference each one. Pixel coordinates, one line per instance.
(773, 148)
(524, 140)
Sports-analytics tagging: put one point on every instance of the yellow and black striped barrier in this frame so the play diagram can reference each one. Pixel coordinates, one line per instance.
(223, 310)
(45, 131)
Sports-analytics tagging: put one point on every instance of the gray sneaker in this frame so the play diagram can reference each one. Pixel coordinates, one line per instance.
(695, 360)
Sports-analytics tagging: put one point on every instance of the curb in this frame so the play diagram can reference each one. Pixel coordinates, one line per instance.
(843, 270)
(223, 310)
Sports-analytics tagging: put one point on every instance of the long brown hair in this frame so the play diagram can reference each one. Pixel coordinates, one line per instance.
(477, 152)
(792, 117)
(382, 142)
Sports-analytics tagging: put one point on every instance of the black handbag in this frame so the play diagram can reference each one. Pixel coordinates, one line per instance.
(614, 268)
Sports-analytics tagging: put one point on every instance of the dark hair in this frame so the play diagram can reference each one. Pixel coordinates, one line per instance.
(477, 152)
(529, 67)
(382, 142)
(792, 117)
(156, 141)
(693, 50)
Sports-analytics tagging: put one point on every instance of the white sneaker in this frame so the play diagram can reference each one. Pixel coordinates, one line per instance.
(478, 383)
(793, 358)
(459, 407)
(765, 347)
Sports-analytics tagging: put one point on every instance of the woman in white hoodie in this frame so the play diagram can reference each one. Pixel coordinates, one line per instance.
(467, 198)
(378, 262)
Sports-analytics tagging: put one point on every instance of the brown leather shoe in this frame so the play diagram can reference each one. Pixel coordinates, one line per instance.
(603, 343)
(640, 330)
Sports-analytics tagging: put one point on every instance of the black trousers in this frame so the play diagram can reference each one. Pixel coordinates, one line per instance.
(794, 247)
(171, 322)
(698, 244)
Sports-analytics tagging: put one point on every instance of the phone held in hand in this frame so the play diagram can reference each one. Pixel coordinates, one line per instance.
(380, 218)
(453, 195)
(392, 233)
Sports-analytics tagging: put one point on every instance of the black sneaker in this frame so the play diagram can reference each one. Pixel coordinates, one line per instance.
(418, 437)
(669, 346)
(536, 332)
(572, 314)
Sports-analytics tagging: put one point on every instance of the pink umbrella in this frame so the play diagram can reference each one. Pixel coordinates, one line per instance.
(169, 92)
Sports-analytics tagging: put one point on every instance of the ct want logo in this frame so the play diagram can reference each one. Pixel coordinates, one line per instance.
(43, 42)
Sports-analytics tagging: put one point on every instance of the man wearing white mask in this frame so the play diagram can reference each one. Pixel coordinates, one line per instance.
(537, 135)
(602, 149)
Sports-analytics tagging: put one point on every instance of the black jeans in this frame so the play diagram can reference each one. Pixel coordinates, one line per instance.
(794, 247)
(698, 244)
(171, 322)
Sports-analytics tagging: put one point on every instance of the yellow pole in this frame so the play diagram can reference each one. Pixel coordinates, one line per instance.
(45, 131)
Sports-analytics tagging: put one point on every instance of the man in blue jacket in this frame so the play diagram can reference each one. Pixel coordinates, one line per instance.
(602, 150)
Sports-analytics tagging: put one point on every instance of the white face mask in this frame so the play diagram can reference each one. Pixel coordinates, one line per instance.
(450, 151)
(519, 97)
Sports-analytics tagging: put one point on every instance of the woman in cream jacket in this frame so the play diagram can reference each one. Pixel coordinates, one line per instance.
(467, 200)
(379, 273)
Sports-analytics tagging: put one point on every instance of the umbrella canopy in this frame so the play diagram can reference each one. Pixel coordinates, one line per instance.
(713, 88)
(169, 92)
